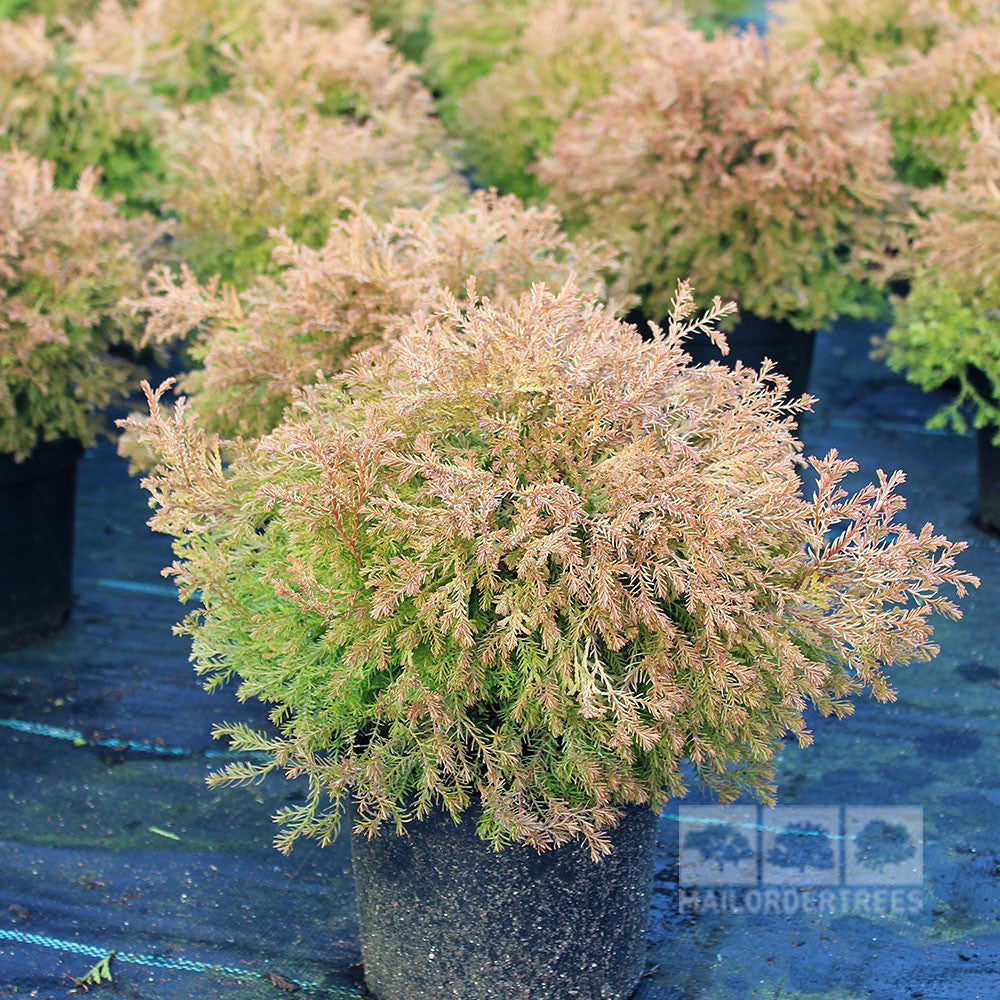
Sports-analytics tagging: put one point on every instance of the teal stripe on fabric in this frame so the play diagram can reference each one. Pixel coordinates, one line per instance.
(161, 961)
(160, 589)
(75, 736)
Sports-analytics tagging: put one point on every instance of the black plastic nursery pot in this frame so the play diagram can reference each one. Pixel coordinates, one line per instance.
(445, 917)
(989, 479)
(37, 506)
(988, 455)
(753, 339)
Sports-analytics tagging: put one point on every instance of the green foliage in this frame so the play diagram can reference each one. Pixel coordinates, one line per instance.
(100, 973)
(930, 101)
(66, 258)
(950, 321)
(564, 58)
(62, 100)
(408, 24)
(248, 168)
(529, 561)
(878, 32)
(752, 168)
(316, 116)
(10, 9)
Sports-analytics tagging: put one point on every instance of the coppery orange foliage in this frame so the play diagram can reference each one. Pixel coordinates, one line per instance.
(566, 54)
(66, 258)
(750, 168)
(528, 560)
(312, 114)
(357, 291)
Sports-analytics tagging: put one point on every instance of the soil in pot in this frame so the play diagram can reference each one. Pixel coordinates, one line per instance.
(445, 917)
(751, 340)
(988, 455)
(37, 506)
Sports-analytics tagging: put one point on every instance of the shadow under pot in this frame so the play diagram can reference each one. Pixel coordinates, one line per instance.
(988, 456)
(37, 508)
(751, 340)
(445, 917)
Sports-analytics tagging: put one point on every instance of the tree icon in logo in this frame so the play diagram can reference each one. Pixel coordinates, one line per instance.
(720, 844)
(801, 846)
(880, 844)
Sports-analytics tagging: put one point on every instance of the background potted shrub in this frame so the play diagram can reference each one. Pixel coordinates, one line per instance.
(511, 574)
(312, 119)
(564, 56)
(70, 98)
(509, 74)
(947, 330)
(758, 171)
(874, 32)
(66, 258)
(252, 350)
(929, 101)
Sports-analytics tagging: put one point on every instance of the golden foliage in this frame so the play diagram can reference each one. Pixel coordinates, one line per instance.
(950, 321)
(66, 258)
(528, 558)
(930, 101)
(755, 170)
(355, 292)
(63, 99)
(242, 167)
(889, 31)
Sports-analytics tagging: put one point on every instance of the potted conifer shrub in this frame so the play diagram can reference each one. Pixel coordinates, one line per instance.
(356, 291)
(498, 583)
(565, 54)
(757, 170)
(946, 332)
(66, 258)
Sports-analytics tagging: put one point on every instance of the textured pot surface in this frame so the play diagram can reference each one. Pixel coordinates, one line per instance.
(751, 341)
(989, 479)
(37, 503)
(445, 916)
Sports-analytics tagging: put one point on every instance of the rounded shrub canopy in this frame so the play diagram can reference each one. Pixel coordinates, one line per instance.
(751, 169)
(357, 291)
(529, 563)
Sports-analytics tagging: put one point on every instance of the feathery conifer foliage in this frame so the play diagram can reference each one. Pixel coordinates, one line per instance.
(66, 259)
(756, 170)
(528, 562)
(951, 318)
(462, 41)
(65, 98)
(875, 32)
(930, 101)
(564, 57)
(241, 168)
(355, 292)
(313, 116)
(184, 48)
